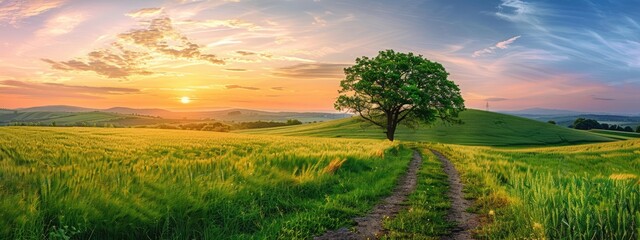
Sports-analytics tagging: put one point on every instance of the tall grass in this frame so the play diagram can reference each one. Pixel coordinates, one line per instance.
(158, 184)
(578, 192)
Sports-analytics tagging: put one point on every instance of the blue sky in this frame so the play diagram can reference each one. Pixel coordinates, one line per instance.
(288, 55)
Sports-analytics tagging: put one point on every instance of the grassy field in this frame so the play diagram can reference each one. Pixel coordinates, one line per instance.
(616, 134)
(77, 118)
(104, 183)
(574, 192)
(160, 184)
(480, 128)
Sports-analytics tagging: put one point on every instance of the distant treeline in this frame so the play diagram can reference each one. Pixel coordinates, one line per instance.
(222, 127)
(588, 124)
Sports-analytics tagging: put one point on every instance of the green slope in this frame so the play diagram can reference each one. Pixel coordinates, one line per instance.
(68, 118)
(480, 128)
(616, 134)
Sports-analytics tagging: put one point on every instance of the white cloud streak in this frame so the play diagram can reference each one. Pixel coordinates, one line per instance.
(500, 45)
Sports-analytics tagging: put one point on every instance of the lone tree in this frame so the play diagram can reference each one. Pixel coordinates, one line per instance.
(394, 87)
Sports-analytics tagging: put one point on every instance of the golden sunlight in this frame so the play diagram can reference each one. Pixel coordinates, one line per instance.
(185, 100)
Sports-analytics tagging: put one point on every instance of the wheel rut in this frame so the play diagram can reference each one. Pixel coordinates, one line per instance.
(370, 225)
(466, 221)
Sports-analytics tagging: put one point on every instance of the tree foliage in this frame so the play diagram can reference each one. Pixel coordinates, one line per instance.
(586, 124)
(395, 87)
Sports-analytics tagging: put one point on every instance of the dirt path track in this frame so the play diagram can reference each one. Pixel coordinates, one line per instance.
(370, 226)
(466, 221)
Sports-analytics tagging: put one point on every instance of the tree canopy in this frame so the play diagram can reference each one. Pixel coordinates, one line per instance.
(396, 87)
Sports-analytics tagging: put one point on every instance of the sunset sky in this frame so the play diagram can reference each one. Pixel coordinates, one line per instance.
(289, 55)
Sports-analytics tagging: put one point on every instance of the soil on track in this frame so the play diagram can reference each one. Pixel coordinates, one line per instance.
(370, 226)
(466, 221)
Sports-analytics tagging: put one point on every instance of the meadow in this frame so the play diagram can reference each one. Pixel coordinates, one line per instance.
(129, 183)
(587, 191)
(161, 184)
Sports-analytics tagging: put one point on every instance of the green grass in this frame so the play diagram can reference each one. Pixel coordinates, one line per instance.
(425, 216)
(162, 184)
(574, 192)
(480, 128)
(616, 134)
(67, 118)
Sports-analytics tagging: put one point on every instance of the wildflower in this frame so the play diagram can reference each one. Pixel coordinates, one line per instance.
(537, 226)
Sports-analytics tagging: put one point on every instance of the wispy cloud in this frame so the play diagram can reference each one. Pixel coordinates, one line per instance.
(235, 69)
(44, 90)
(500, 45)
(15, 11)
(240, 87)
(145, 12)
(496, 99)
(61, 24)
(312, 70)
(602, 98)
(191, 25)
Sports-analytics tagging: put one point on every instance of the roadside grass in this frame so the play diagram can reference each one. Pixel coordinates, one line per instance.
(425, 216)
(576, 192)
(104, 183)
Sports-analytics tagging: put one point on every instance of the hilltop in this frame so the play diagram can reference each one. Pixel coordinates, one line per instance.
(479, 128)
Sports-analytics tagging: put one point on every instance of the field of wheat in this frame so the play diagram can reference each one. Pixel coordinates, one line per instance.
(576, 192)
(164, 184)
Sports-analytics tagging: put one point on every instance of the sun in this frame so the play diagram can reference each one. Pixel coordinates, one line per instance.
(185, 100)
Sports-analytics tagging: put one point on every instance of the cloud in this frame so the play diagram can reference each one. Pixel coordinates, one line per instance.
(206, 24)
(241, 87)
(125, 58)
(520, 11)
(277, 88)
(602, 98)
(500, 45)
(15, 11)
(496, 99)
(61, 24)
(145, 12)
(236, 69)
(312, 70)
(157, 36)
(45, 90)
(505, 44)
(317, 20)
(245, 53)
(120, 63)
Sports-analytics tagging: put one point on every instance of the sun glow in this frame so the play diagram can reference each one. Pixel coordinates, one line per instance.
(185, 100)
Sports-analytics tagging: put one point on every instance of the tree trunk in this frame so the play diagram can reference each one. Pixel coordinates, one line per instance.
(391, 127)
(390, 134)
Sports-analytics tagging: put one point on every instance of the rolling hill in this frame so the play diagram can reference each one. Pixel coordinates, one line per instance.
(479, 128)
(76, 118)
(236, 115)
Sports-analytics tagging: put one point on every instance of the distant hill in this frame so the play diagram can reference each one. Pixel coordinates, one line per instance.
(566, 118)
(146, 111)
(542, 111)
(56, 108)
(235, 115)
(480, 128)
(77, 118)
